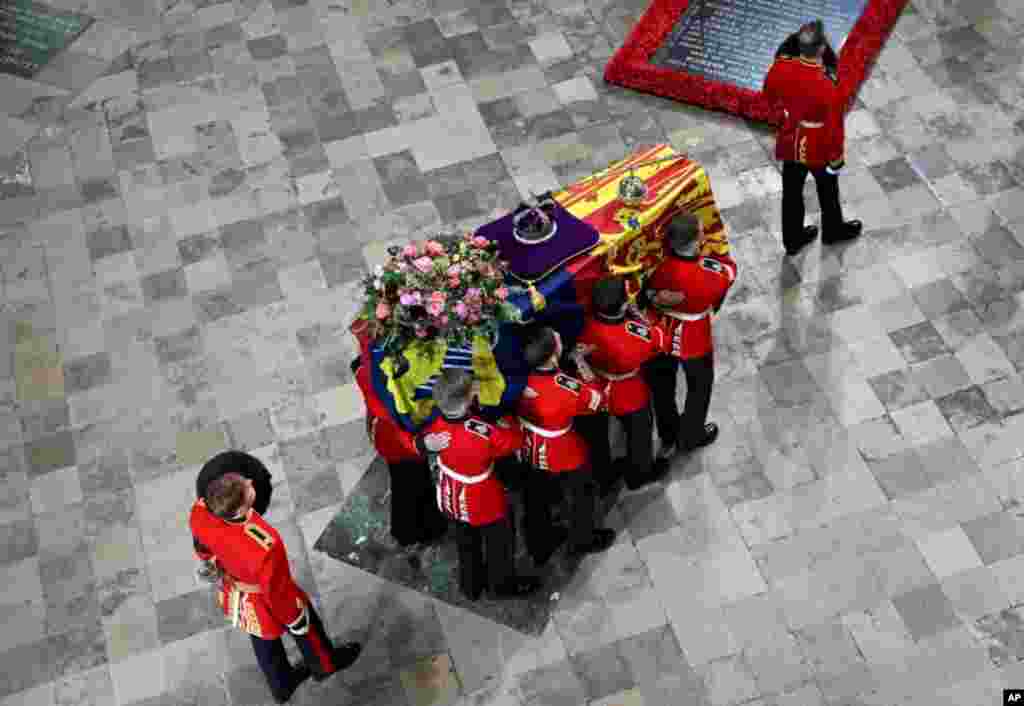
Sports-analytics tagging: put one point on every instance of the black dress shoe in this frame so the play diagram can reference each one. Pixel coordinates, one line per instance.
(518, 587)
(851, 229)
(599, 542)
(300, 673)
(343, 657)
(709, 436)
(556, 538)
(606, 487)
(435, 535)
(810, 233)
(659, 469)
(473, 595)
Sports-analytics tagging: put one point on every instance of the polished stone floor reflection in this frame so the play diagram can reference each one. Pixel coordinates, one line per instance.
(360, 535)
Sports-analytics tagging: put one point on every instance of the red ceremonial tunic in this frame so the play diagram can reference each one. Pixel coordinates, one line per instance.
(392, 442)
(551, 443)
(703, 281)
(250, 552)
(468, 490)
(620, 348)
(812, 131)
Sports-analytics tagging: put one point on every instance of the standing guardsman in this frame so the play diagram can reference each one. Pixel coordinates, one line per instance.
(415, 517)
(557, 454)
(686, 289)
(258, 593)
(803, 82)
(615, 344)
(470, 493)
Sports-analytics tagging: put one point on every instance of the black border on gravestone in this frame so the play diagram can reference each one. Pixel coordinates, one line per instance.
(734, 41)
(32, 34)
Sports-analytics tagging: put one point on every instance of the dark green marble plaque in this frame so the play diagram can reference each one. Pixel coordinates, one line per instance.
(360, 535)
(31, 34)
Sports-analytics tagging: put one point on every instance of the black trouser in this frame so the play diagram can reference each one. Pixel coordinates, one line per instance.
(543, 490)
(639, 455)
(794, 175)
(674, 428)
(486, 556)
(317, 651)
(414, 513)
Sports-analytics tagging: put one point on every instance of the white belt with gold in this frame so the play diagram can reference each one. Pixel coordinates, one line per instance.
(680, 316)
(468, 480)
(547, 433)
(616, 377)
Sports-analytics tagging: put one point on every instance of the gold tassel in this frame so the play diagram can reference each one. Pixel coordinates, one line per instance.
(537, 299)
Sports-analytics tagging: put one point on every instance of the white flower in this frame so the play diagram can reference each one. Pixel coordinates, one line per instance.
(378, 270)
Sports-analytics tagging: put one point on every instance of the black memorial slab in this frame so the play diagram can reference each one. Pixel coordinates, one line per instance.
(734, 41)
(31, 34)
(360, 535)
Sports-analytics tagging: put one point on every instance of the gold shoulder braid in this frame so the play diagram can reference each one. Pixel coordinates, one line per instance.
(254, 531)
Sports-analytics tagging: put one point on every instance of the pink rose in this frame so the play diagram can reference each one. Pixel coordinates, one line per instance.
(454, 271)
(421, 331)
(383, 310)
(501, 293)
(435, 308)
(438, 296)
(480, 241)
(444, 320)
(472, 294)
(403, 267)
(423, 264)
(432, 247)
(409, 298)
(461, 310)
(454, 282)
(410, 250)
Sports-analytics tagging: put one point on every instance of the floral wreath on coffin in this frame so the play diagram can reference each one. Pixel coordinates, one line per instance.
(449, 288)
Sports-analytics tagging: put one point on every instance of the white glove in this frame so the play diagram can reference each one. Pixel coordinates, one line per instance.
(208, 572)
(579, 357)
(437, 442)
(633, 311)
(667, 297)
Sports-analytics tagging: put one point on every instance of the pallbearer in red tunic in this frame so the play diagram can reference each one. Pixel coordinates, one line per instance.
(258, 593)
(557, 454)
(469, 492)
(414, 514)
(615, 345)
(686, 288)
(811, 136)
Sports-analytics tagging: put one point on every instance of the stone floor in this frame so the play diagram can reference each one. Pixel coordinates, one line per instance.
(189, 194)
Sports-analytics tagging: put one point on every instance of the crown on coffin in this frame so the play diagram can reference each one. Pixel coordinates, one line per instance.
(533, 225)
(632, 190)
